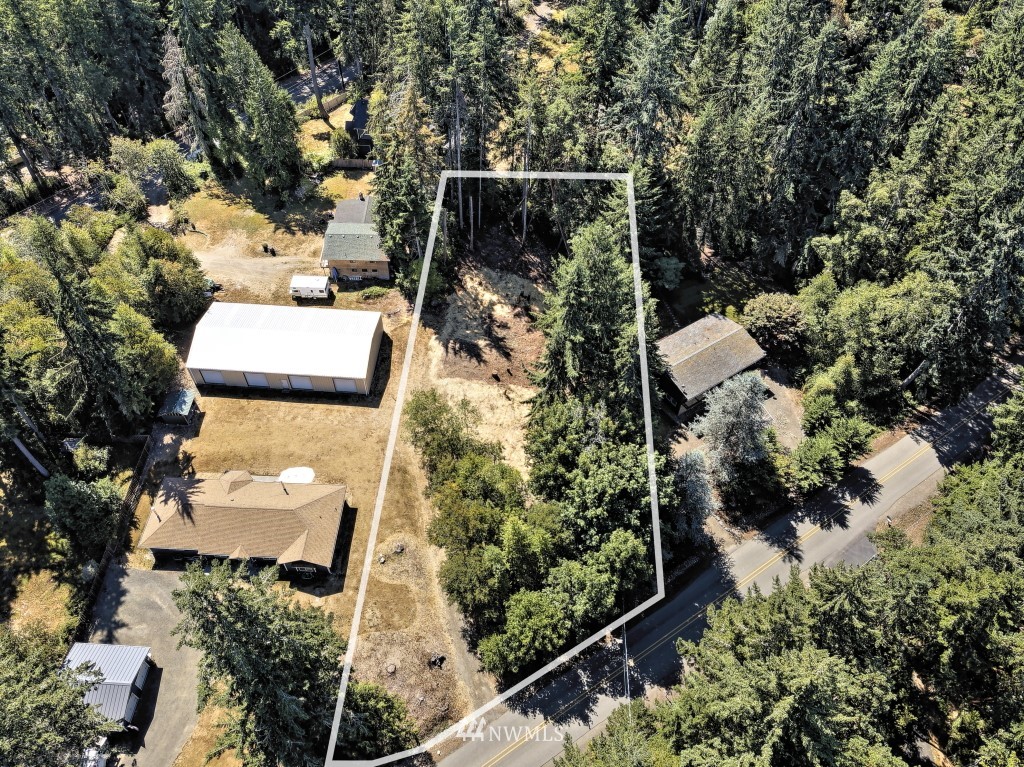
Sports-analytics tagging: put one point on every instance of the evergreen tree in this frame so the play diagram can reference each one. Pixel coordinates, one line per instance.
(280, 681)
(264, 114)
(406, 181)
(590, 322)
(199, 91)
(80, 319)
(85, 513)
(648, 92)
(741, 447)
(46, 721)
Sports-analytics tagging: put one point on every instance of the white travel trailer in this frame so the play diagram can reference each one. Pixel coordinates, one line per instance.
(305, 286)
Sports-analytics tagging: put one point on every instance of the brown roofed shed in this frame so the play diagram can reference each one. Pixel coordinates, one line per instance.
(705, 354)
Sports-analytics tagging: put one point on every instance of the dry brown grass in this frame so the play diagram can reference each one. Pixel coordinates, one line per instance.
(405, 619)
(42, 601)
(202, 741)
(233, 225)
(315, 136)
(30, 591)
(343, 440)
(913, 521)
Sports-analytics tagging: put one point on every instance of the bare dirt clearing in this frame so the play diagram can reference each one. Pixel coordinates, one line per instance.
(483, 349)
(477, 345)
(232, 228)
(486, 332)
(403, 622)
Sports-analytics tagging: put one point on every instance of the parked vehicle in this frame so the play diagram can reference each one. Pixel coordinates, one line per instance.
(304, 286)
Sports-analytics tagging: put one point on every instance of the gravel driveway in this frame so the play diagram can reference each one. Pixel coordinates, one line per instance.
(135, 607)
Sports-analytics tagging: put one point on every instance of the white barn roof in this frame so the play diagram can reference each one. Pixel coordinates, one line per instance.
(284, 339)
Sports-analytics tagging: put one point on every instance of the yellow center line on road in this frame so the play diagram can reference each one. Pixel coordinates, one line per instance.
(675, 631)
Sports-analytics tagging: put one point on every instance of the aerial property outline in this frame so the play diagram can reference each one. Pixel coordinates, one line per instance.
(475, 716)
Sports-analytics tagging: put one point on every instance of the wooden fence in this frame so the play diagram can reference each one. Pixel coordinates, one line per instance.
(356, 163)
(331, 103)
(115, 547)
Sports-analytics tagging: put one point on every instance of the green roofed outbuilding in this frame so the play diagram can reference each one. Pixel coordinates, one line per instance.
(180, 406)
(352, 247)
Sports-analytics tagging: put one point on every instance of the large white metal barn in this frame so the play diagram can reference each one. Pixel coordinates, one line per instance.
(286, 347)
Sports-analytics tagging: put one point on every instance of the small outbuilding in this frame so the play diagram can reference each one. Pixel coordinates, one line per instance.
(703, 355)
(358, 127)
(180, 407)
(123, 670)
(309, 286)
(352, 248)
(286, 347)
(233, 516)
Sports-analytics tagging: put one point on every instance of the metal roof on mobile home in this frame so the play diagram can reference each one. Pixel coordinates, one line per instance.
(284, 339)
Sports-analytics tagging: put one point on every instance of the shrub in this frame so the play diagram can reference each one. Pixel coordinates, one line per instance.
(124, 196)
(91, 462)
(167, 160)
(852, 436)
(373, 293)
(343, 147)
(440, 432)
(819, 411)
(536, 625)
(85, 513)
(316, 163)
(815, 464)
(777, 322)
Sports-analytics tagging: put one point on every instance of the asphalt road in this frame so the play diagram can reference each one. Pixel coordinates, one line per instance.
(530, 731)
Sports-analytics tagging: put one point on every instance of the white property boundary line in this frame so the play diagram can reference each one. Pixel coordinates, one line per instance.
(393, 439)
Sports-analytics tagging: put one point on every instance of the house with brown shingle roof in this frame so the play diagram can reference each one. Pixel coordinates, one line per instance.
(233, 516)
(703, 355)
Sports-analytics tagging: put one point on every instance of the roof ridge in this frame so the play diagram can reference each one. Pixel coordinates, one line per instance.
(704, 348)
(300, 544)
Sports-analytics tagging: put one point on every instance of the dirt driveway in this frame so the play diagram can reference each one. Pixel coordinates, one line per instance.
(232, 229)
(135, 607)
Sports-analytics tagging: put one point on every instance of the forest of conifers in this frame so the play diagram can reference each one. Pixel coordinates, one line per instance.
(917, 653)
(867, 153)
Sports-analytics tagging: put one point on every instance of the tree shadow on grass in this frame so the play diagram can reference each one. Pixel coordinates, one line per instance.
(288, 214)
(25, 550)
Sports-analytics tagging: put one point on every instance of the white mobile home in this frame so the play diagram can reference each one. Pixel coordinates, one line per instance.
(286, 347)
(306, 286)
